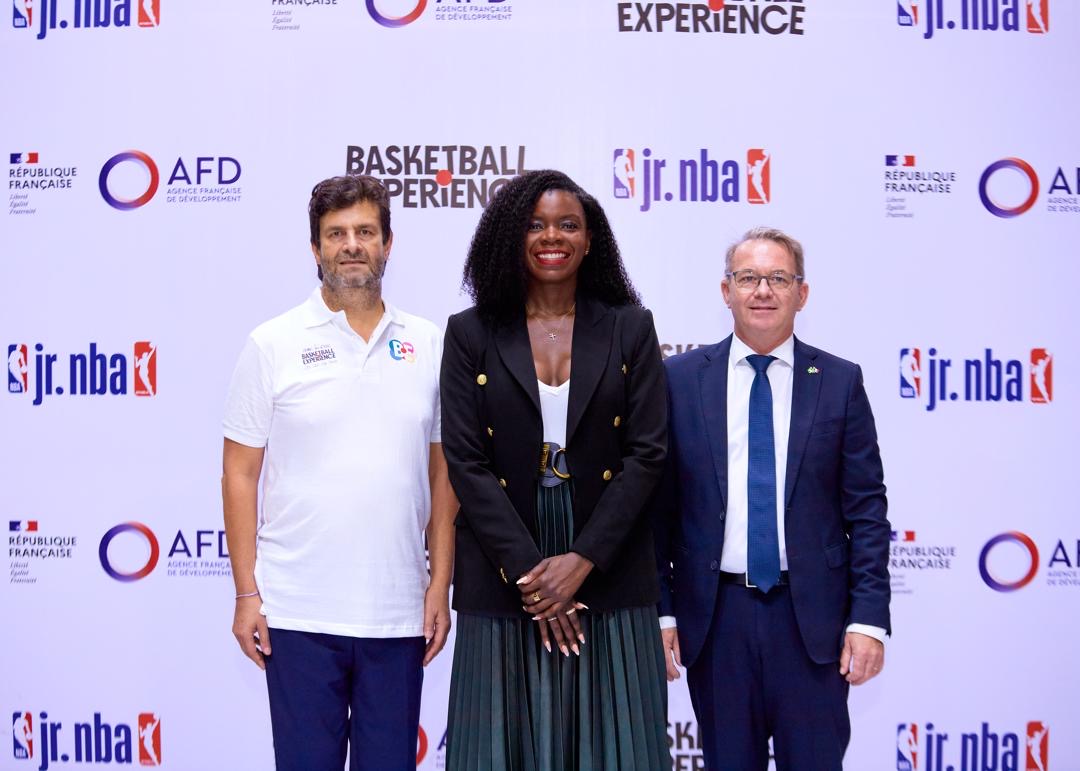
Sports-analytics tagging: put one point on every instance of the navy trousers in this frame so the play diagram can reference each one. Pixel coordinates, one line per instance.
(754, 680)
(330, 693)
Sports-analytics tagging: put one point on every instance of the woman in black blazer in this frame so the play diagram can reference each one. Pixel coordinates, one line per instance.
(554, 424)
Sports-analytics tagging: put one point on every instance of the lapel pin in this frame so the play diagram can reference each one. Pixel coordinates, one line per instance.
(812, 370)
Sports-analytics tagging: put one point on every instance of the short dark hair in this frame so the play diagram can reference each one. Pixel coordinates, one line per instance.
(342, 192)
(495, 272)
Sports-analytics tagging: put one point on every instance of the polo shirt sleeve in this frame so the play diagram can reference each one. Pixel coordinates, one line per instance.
(436, 423)
(249, 405)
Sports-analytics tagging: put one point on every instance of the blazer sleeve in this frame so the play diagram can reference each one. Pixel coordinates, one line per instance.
(484, 504)
(864, 507)
(644, 448)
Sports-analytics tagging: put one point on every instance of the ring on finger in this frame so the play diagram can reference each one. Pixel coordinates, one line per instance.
(536, 596)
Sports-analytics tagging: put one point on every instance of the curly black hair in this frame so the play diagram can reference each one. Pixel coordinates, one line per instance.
(495, 274)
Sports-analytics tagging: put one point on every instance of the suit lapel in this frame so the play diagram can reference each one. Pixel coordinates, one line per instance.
(512, 342)
(805, 388)
(593, 336)
(713, 380)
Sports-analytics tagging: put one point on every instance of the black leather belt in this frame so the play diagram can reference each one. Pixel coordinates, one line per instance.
(740, 578)
(553, 468)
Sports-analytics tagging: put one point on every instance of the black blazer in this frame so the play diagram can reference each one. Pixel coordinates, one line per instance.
(616, 430)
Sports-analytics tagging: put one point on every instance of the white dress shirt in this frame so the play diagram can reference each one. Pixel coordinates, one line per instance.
(739, 381)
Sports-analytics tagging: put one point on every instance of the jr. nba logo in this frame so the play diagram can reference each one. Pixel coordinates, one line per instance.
(622, 173)
(149, 13)
(907, 13)
(22, 734)
(1042, 376)
(149, 739)
(1038, 746)
(145, 368)
(758, 173)
(907, 747)
(910, 373)
(18, 366)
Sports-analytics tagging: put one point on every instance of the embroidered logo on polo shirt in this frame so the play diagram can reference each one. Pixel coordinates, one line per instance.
(318, 356)
(402, 351)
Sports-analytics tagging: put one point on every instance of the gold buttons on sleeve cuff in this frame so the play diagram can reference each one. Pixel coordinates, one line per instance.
(502, 482)
(481, 379)
(617, 421)
(491, 431)
(607, 475)
(624, 369)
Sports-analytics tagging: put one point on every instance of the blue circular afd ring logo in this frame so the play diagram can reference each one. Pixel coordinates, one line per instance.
(127, 204)
(129, 527)
(1009, 586)
(396, 21)
(1017, 164)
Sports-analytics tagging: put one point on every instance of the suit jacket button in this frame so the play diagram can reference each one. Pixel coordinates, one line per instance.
(607, 475)
(502, 482)
(624, 369)
(617, 421)
(491, 431)
(481, 379)
(714, 565)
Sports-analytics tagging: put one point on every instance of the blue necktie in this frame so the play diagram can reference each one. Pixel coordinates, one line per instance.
(763, 548)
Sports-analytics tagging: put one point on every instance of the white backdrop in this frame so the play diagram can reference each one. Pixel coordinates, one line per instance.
(878, 127)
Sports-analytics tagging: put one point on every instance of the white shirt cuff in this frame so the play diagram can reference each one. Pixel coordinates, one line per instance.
(667, 622)
(870, 631)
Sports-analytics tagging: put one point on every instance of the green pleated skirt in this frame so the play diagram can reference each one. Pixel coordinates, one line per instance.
(516, 707)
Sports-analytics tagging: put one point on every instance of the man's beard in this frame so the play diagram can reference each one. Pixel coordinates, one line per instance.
(370, 281)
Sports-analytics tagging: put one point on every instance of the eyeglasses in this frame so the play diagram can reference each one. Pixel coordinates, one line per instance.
(748, 280)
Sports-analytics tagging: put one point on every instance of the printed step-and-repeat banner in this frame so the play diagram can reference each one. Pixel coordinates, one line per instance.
(160, 155)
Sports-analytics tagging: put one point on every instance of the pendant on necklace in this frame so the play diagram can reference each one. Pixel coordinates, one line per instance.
(553, 336)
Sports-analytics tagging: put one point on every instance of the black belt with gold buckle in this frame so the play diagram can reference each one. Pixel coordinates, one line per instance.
(740, 578)
(553, 468)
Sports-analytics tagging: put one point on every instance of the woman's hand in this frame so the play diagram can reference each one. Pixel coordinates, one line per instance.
(564, 627)
(550, 586)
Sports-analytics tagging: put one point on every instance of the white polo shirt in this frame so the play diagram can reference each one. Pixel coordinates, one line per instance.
(345, 498)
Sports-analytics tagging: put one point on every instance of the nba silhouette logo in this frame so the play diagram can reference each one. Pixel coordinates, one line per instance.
(758, 184)
(1038, 746)
(145, 368)
(910, 373)
(149, 739)
(1038, 16)
(18, 366)
(22, 735)
(907, 747)
(622, 173)
(907, 13)
(22, 13)
(149, 13)
(1042, 376)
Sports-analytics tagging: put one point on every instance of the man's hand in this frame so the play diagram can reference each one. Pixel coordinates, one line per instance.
(863, 657)
(550, 586)
(250, 629)
(672, 656)
(436, 621)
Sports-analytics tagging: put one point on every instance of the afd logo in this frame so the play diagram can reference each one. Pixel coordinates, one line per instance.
(130, 552)
(453, 10)
(130, 180)
(927, 747)
(94, 373)
(930, 378)
(92, 742)
(84, 14)
(1010, 561)
(976, 15)
(1010, 187)
(700, 178)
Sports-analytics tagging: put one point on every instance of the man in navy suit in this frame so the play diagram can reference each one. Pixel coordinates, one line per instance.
(771, 530)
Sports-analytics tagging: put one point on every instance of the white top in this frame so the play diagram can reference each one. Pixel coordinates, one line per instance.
(740, 379)
(347, 426)
(554, 401)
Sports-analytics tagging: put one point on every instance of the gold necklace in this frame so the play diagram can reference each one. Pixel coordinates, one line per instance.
(553, 334)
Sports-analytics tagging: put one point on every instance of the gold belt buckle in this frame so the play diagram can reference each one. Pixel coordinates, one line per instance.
(555, 467)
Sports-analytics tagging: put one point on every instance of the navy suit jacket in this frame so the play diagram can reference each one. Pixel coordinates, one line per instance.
(837, 533)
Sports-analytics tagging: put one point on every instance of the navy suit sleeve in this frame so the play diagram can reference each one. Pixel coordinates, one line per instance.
(644, 446)
(864, 507)
(484, 504)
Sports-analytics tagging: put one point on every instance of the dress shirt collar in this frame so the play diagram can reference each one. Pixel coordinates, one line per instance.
(785, 352)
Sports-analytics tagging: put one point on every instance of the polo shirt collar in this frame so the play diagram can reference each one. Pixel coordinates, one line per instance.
(317, 313)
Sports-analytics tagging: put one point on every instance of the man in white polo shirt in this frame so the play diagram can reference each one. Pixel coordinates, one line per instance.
(336, 404)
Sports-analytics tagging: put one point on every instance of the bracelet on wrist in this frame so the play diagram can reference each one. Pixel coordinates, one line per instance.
(248, 594)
